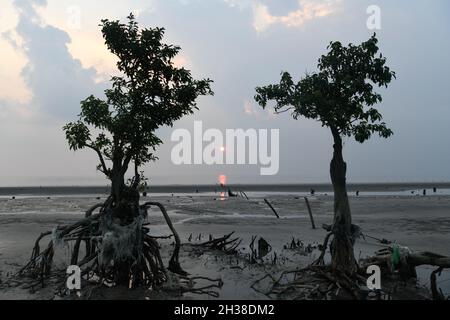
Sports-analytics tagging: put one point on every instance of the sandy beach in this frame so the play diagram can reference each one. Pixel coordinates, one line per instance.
(422, 223)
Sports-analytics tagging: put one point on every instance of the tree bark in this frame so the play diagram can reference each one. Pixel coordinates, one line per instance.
(123, 211)
(343, 258)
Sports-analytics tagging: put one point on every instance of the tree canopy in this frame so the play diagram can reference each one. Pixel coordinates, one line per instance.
(149, 92)
(340, 94)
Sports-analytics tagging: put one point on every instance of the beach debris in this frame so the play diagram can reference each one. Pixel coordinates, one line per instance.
(271, 207)
(309, 283)
(310, 213)
(263, 248)
(243, 194)
(231, 194)
(206, 289)
(225, 244)
(402, 262)
(300, 248)
(293, 244)
(382, 241)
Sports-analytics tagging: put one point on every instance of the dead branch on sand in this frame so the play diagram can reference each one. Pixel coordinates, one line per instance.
(403, 262)
(222, 244)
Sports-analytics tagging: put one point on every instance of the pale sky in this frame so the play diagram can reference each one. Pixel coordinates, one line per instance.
(53, 56)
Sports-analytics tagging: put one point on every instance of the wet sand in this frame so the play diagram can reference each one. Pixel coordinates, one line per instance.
(418, 222)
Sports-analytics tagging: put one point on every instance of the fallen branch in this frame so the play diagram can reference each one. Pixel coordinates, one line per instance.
(224, 244)
(310, 213)
(408, 263)
(271, 207)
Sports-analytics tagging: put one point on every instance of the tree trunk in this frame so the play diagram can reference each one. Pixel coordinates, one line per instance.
(125, 204)
(121, 221)
(342, 245)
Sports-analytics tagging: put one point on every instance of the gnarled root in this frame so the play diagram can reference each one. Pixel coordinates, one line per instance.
(174, 264)
(113, 253)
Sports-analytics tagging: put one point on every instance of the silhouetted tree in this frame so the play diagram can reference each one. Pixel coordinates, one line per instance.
(341, 96)
(150, 92)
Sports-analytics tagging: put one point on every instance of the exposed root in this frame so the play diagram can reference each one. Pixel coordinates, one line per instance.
(174, 264)
(323, 249)
(206, 289)
(313, 282)
(223, 244)
(109, 248)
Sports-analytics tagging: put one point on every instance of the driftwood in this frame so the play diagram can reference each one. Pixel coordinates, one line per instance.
(271, 207)
(310, 213)
(231, 194)
(225, 244)
(437, 294)
(244, 194)
(409, 262)
(413, 259)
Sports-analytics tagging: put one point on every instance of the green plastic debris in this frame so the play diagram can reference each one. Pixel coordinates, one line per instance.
(395, 256)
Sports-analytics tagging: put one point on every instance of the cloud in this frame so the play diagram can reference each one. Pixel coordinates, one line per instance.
(307, 10)
(57, 82)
